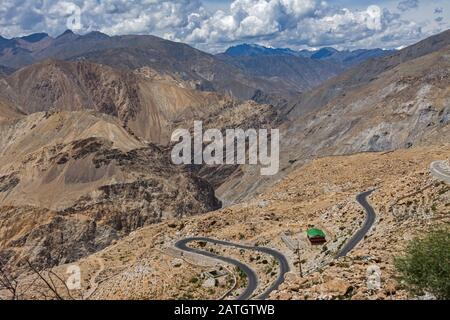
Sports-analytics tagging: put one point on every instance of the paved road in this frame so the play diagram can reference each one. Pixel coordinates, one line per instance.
(370, 219)
(251, 275)
(440, 170)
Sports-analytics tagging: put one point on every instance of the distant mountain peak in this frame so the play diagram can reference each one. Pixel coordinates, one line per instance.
(66, 33)
(96, 35)
(330, 49)
(247, 49)
(4, 42)
(324, 53)
(35, 37)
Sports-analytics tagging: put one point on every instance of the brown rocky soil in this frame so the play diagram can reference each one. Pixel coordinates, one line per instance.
(322, 193)
(72, 182)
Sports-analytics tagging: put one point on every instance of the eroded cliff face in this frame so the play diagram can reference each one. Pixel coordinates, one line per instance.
(85, 181)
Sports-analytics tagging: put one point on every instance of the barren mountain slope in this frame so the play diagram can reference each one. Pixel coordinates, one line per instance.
(5, 70)
(277, 78)
(131, 52)
(363, 74)
(8, 112)
(405, 106)
(72, 182)
(298, 74)
(322, 194)
(144, 101)
(148, 104)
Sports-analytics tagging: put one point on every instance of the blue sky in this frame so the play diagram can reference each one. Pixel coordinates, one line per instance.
(214, 25)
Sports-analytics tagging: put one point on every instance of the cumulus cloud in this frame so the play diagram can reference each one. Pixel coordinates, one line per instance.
(309, 21)
(252, 19)
(292, 23)
(110, 16)
(301, 23)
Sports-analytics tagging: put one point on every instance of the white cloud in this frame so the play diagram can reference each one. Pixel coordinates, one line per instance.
(110, 16)
(254, 18)
(299, 23)
(286, 23)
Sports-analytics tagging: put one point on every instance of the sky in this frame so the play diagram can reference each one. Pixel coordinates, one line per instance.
(214, 25)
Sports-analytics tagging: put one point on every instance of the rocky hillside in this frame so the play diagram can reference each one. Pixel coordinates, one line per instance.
(404, 106)
(8, 112)
(5, 70)
(76, 165)
(238, 79)
(408, 201)
(145, 101)
(363, 74)
(295, 74)
(73, 182)
(299, 71)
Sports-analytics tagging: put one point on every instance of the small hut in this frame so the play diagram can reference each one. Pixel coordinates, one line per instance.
(316, 236)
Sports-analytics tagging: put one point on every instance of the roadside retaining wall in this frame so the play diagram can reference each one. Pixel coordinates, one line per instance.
(437, 172)
(192, 257)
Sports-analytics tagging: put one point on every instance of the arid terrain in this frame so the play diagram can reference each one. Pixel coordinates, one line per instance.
(408, 202)
(87, 180)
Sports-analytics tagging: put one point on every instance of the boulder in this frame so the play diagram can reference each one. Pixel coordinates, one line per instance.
(209, 283)
(390, 287)
(359, 296)
(291, 277)
(176, 263)
(336, 288)
(284, 296)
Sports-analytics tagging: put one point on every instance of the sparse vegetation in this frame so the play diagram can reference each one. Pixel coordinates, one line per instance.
(193, 280)
(425, 266)
(241, 273)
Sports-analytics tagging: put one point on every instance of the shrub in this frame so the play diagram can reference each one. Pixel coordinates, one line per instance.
(425, 266)
(193, 280)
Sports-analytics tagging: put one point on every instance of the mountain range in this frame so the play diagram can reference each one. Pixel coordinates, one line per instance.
(86, 121)
(232, 74)
(345, 58)
(390, 102)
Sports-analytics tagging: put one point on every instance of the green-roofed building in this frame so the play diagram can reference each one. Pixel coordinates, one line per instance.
(316, 236)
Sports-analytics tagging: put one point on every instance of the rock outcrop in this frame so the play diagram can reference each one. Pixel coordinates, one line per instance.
(85, 181)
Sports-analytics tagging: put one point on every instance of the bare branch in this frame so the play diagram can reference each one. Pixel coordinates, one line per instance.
(51, 272)
(53, 289)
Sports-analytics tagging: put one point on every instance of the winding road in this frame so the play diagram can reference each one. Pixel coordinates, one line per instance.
(359, 235)
(251, 275)
(441, 170)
